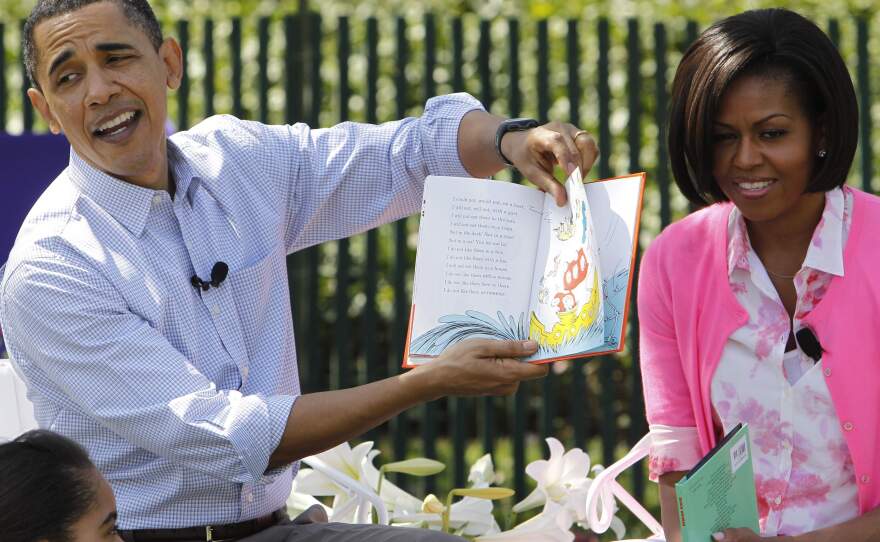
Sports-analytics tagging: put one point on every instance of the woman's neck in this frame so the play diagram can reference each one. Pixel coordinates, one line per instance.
(785, 239)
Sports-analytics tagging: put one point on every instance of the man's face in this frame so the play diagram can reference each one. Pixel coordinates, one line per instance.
(104, 85)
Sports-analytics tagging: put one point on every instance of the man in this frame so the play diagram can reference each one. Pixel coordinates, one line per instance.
(184, 390)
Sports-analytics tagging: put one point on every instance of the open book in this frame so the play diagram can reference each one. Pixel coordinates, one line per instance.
(503, 261)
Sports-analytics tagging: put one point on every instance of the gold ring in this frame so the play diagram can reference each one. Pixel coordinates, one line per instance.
(580, 133)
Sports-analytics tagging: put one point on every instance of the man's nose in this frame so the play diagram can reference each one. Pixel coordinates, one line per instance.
(101, 87)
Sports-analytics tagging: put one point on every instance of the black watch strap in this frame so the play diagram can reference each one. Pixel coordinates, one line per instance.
(511, 125)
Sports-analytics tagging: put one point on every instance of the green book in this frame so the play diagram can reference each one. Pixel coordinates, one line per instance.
(719, 493)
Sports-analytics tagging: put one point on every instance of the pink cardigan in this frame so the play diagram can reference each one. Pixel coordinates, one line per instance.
(687, 312)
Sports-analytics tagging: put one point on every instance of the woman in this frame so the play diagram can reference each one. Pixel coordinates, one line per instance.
(51, 492)
(761, 308)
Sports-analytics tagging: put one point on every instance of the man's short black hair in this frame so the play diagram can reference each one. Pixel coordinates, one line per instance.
(138, 12)
(774, 43)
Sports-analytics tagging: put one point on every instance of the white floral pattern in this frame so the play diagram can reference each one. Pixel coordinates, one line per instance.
(803, 470)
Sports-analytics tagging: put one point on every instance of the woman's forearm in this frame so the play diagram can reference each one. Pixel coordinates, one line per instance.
(669, 505)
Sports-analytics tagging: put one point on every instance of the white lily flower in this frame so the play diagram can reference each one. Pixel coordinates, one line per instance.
(468, 517)
(551, 525)
(562, 479)
(482, 473)
(357, 464)
(297, 503)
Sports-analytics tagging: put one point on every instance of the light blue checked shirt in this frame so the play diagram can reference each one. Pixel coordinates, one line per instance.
(181, 395)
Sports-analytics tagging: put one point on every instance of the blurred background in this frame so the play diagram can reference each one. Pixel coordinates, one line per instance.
(605, 66)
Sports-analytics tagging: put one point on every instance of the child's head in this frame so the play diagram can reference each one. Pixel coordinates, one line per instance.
(50, 491)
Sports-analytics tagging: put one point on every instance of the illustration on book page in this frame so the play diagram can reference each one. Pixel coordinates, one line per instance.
(566, 315)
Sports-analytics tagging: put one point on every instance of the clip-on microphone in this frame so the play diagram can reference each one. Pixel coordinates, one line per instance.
(218, 275)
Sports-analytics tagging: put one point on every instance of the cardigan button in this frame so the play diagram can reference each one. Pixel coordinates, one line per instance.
(848, 426)
(865, 479)
(827, 371)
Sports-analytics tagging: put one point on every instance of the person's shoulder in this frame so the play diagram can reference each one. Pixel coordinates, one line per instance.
(44, 228)
(696, 230)
(223, 131)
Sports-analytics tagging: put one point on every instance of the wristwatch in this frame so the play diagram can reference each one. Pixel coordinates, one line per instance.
(512, 125)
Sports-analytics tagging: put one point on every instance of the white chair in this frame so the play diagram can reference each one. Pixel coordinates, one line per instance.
(16, 411)
(605, 488)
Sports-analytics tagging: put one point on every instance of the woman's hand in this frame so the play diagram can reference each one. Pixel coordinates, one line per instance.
(745, 535)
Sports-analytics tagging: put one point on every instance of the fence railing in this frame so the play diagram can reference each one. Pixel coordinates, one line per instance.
(351, 298)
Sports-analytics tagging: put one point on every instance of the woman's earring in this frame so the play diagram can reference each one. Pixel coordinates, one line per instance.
(823, 153)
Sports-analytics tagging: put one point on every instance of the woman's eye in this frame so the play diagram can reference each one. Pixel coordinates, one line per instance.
(720, 137)
(772, 134)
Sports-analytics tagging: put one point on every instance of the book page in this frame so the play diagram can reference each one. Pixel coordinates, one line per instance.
(566, 298)
(474, 265)
(615, 206)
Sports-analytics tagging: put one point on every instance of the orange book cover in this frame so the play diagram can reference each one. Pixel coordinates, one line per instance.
(501, 260)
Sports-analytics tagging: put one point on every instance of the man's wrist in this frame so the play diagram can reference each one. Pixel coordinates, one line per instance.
(505, 128)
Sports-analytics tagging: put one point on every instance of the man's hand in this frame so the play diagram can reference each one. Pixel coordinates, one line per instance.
(477, 367)
(535, 152)
(319, 421)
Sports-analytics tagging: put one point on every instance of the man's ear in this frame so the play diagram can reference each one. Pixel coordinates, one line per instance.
(172, 57)
(40, 104)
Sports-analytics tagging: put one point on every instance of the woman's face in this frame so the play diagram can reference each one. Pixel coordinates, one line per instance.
(765, 148)
(99, 522)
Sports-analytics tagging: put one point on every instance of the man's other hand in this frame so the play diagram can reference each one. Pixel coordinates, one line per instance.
(477, 367)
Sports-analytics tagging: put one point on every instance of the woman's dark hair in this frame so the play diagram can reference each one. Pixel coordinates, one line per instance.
(46, 485)
(775, 43)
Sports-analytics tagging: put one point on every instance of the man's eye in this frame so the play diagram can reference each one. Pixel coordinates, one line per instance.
(66, 78)
(117, 58)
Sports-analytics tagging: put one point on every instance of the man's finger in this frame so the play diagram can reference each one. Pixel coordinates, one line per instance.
(526, 371)
(546, 182)
(566, 157)
(587, 148)
(490, 348)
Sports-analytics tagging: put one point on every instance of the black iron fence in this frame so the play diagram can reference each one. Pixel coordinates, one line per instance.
(351, 298)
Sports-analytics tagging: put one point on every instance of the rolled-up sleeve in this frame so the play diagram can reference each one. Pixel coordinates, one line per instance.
(114, 367)
(675, 445)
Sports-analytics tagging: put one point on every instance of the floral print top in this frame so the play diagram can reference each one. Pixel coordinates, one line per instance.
(803, 470)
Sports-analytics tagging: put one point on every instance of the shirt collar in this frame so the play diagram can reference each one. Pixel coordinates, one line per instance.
(128, 203)
(825, 252)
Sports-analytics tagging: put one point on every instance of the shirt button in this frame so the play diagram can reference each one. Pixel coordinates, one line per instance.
(777, 500)
(215, 310)
(157, 199)
(827, 371)
(244, 372)
(250, 497)
(848, 426)
(865, 479)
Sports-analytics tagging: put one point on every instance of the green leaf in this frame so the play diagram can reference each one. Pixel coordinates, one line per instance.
(489, 493)
(419, 466)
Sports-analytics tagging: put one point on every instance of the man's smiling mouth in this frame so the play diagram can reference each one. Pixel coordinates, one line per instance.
(117, 124)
